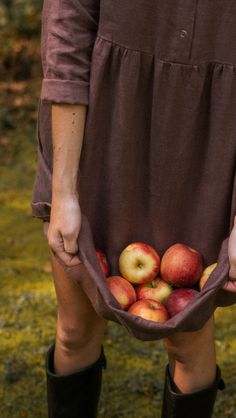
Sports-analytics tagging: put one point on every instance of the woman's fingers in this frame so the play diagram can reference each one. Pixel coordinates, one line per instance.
(70, 243)
(69, 259)
(230, 285)
(232, 254)
(57, 245)
(232, 271)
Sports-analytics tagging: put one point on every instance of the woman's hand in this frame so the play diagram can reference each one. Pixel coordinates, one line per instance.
(230, 285)
(64, 227)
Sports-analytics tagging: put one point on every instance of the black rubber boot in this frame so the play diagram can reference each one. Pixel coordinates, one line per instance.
(74, 395)
(194, 405)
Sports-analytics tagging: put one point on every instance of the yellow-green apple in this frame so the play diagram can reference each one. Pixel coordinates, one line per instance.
(181, 265)
(206, 274)
(139, 263)
(179, 299)
(103, 262)
(149, 309)
(157, 290)
(122, 290)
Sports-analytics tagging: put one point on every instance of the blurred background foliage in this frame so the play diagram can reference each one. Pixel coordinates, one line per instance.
(133, 381)
(19, 36)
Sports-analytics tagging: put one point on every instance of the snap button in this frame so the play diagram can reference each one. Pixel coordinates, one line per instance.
(183, 33)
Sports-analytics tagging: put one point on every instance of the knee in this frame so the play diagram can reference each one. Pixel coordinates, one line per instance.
(184, 345)
(80, 335)
(176, 349)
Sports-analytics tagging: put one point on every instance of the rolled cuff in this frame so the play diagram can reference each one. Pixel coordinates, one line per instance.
(65, 91)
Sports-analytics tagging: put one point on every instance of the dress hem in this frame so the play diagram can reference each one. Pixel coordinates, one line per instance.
(41, 210)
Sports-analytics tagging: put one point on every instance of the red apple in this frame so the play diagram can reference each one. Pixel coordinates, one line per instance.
(149, 309)
(179, 299)
(181, 265)
(122, 290)
(103, 262)
(157, 290)
(139, 263)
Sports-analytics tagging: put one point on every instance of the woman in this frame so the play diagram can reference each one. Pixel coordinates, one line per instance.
(147, 91)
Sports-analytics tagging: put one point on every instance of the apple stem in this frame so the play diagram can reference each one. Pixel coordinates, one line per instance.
(153, 284)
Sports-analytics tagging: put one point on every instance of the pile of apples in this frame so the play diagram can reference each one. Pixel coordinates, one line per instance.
(152, 287)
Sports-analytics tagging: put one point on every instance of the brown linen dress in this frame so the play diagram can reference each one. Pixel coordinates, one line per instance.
(158, 162)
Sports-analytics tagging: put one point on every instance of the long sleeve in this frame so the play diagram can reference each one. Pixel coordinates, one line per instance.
(68, 32)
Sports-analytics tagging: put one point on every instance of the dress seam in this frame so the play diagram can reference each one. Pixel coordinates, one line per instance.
(161, 60)
(123, 46)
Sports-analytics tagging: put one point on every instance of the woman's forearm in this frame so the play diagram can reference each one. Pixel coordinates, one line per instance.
(68, 123)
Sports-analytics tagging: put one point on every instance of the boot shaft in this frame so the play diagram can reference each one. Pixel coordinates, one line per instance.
(74, 395)
(194, 405)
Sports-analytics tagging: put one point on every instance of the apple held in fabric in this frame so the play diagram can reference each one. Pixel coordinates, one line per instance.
(122, 291)
(206, 274)
(103, 262)
(181, 265)
(157, 290)
(179, 299)
(139, 263)
(150, 310)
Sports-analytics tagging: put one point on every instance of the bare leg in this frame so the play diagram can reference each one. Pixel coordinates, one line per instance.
(192, 358)
(79, 329)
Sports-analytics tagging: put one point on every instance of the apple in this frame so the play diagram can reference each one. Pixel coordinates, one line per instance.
(122, 290)
(157, 290)
(179, 299)
(103, 262)
(181, 265)
(149, 309)
(206, 274)
(139, 263)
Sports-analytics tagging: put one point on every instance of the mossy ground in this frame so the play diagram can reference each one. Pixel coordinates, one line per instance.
(133, 381)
